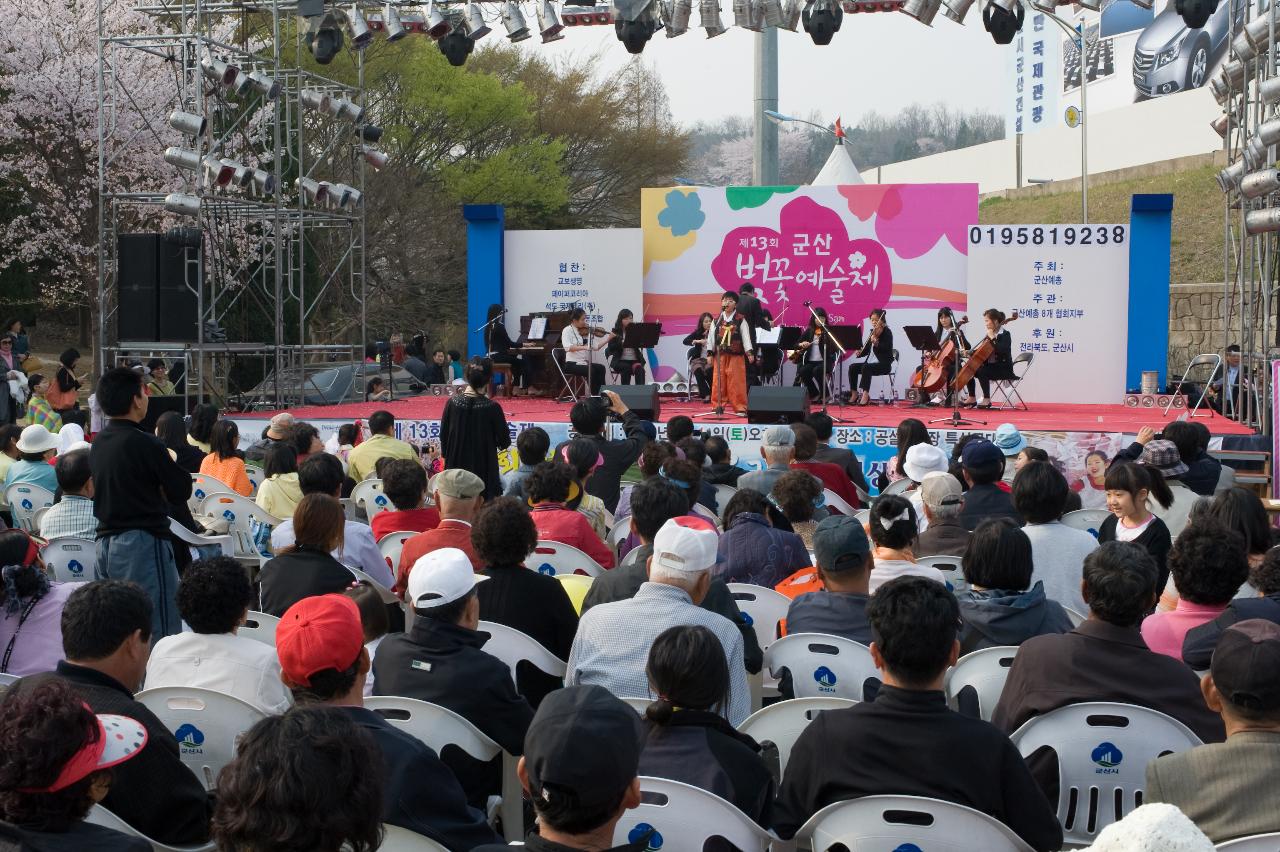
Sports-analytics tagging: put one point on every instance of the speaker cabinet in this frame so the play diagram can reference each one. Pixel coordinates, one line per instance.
(777, 405)
(642, 399)
(155, 303)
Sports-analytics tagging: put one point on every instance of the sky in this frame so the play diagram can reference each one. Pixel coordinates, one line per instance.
(877, 62)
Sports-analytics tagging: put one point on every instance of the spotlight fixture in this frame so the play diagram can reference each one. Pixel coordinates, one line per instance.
(821, 20)
(242, 85)
(1219, 125)
(264, 181)
(240, 175)
(217, 171)
(267, 86)
(772, 11)
(791, 14)
(549, 25)
(923, 11)
(312, 190)
(456, 47)
(1262, 221)
(1269, 132)
(437, 24)
(361, 35)
(1262, 182)
(188, 123)
(1229, 177)
(1258, 32)
(374, 157)
(1254, 153)
(369, 132)
(314, 99)
(956, 9)
(742, 15)
(182, 158)
(391, 20)
(709, 18)
(677, 16)
(217, 71)
(344, 108)
(1195, 13)
(635, 31)
(1269, 90)
(1002, 23)
(513, 20)
(324, 38)
(474, 23)
(339, 194)
(182, 204)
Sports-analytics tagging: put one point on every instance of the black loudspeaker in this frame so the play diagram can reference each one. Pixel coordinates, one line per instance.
(155, 303)
(157, 405)
(768, 404)
(177, 308)
(642, 399)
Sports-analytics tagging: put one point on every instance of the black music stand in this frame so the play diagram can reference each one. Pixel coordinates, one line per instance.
(850, 337)
(641, 335)
(923, 339)
(955, 419)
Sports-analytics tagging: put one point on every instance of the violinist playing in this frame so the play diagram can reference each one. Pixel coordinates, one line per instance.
(814, 354)
(877, 355)
(579, 346)
(999, 365)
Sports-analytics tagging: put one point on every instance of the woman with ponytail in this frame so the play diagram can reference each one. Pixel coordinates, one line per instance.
(689, 738)
(1129, 486)
(30, 608)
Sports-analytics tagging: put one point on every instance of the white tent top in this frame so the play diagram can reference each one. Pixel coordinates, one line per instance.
(839, 169)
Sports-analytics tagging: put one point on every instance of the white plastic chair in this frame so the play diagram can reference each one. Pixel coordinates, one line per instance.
(367, 496)
(70, 560)
(618, 533)
(985, 671)
(255, 475)
(684, 817)
(226, 542)
(1089, 520)
(439, 727)
(513, 647)
(822, 666)
(907, 823)
(1103, 750)
(638, 704)
(397, 839)
(950, 568)
(835, 501)
(98, 815)
(38, 518)
(783, 722)
(391, 544)
(206, 724)
(24, 500)
(556, 557)
(763, 608)
(724, 493)
(239, 512)
(386, 594)
(863, 516)
(898, 486)
(259, 627)
(202, 485)
(1076, 618)
(1253, 843)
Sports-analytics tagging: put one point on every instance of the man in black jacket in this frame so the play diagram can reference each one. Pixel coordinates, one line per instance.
(589, 417)
(440, 660)
(653, 502)
(721, 470)
(135, 480)
(106, 637)
(861, 751)
(983, 465)
(323, 660)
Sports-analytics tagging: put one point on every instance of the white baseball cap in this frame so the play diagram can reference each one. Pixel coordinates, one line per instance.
(687, 544)
(440, 577)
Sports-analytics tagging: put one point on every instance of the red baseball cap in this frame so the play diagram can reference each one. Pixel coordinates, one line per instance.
(318, 633)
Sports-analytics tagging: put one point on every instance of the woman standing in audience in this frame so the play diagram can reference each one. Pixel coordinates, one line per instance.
(751, 550)
(1129, 486)
(279, 493)
(473, 429)
(893, 528)
(200, 426)
(689, 738)
(225, 462)
(31, 627)
(798, 494)
(171, 430)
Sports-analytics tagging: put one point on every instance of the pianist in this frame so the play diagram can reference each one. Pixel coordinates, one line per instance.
(501, 349)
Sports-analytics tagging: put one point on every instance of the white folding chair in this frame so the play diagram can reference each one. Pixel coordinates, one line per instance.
(226, 542)
(391, 544)
(684, 817)
(255, 475)
(556, 557)
(618, 534)
(368, 497)
(24, 500)
(1103, 750)
(898, 486)
(239, 513)
(724, 493)
(863, 516)
(205, 723)
(397, 839)
(70, 560)
(1253, 843)
(1089, 520)
(574, 385)
(984, 672)
(259, 627)
(1076, 618)
(38, 517)
(822, 666)
(906, 823)
(439, 727)
(783, 722)
(835, 501)
(98, 815)
(763, 609)
(1008, 388)
(202, 486)
(386, 594)
(951, 569)
(514, 647)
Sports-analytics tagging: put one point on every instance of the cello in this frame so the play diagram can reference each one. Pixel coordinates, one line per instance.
(983, 351)
(937, 367)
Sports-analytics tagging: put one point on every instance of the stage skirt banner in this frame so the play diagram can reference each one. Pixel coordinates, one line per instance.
(848, 249)
(1070, 287)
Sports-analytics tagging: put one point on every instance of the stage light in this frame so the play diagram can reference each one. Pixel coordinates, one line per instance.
(1229, 177)
(437, 24)
(956, 9)
(217, 172)
(182, 204)
(324, 38)
(264, 181)
(242, 86)
(314, 99)
(182, 158)
(513, 20)
(791, 15)
(267, 86)
(1269, 132)
(374, 157)
(1269, 90)
(634, 35)
(474, 23)
(677, 17)
(1259, 183)
(339, 194)
(1258, 33)
(1220, 124)
(241, 175)
(821, 20)
(1262, 221)
(923, 11)
(549, 25)
(1233, 73)
(1002, 24)
(1195, 13)
(369, 132)
(344, 108)
(218, 71)
(772, 11)
(391, 20)
(188, 123)
(709, 18)
(456, 47)
(742, 15)
(312, 190)
(361, 35)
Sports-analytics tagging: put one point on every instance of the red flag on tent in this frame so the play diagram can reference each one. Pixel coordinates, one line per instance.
(839, 130)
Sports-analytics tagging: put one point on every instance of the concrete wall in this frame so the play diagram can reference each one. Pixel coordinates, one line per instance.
(1147, 132)
(1195, 323)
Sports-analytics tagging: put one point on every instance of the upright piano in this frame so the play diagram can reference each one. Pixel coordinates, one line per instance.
(537, 351)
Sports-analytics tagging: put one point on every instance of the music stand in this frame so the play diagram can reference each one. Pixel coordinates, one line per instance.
(955, 419)
(923, 339)
(641, 335)
(850, 337)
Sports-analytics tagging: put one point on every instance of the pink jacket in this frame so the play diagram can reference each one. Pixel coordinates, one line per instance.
(567, 526)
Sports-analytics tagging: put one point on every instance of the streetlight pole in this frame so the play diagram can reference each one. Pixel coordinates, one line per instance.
(764, 171)
(1078, 35)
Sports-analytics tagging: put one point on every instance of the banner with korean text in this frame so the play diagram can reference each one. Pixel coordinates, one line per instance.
(1070, 287)
(848, 249)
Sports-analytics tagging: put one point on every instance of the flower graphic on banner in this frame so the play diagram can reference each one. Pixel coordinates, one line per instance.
(810, 257)
(912, 219)
(682, 214)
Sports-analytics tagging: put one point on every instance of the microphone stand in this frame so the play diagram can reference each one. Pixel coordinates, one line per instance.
(955, 419)
(822, 347)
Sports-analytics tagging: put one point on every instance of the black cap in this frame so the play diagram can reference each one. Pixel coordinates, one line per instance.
(840, 543)
(1246, 665)
(583, 743)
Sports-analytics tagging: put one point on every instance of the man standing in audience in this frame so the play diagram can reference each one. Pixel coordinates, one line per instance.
(440, 660)
(459, 495)
(983, 465)
(1228, 789)
(612, 645)
(323, 660)
(778, 449)
(380, 444)
(831, 476)
(322, 474)
(842, 457)
(844, 567)
(864, 750)
(134, 481)
(589, 418)
(72, 516)
(1057, 550)
(942, 500)
(106, 637)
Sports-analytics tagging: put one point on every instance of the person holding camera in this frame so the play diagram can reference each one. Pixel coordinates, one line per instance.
(589, 417)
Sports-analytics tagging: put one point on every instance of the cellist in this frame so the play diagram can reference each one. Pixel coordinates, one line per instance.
(1000, 363)
(948, 328)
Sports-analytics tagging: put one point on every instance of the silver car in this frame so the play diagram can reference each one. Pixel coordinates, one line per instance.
(1170, 57)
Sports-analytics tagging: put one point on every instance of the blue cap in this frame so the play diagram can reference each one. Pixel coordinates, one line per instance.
(980, 454)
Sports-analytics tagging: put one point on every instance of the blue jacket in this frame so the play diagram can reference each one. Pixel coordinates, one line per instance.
(751, 551)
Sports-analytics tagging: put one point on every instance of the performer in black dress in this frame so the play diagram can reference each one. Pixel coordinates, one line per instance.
(814, 356)
(473, 429)
(501, 349)
(999, 365)
(880, 343)
(628, 363)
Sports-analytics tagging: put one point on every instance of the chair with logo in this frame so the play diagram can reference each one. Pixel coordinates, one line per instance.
(259, 627)
(70, 560)
(763, 608)
(823, 666)
(903, 823)
(1103, 750)
(950, 568)
(24, 500)
(255, 475)
(682, 818)
(977, 679)
(439, 728)
(226, 543)
(1252, 843)
(202, 485)
(576, 587)
(368, 498)
(245, 519)
(98, 815)
(514, 647)
(391, 544)
(397, 839)
(1089, 520)
(205, 723)
(556, 557)
(783, 722)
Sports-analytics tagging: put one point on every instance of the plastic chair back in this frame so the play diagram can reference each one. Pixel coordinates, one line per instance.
(903, 823)
(637, 704)
(38, 518)
(950, 568)
(835, 501)
(368, 496)
(255, 475)
(70, 560)
(763, 609)
(724, 493)
(556, 557)
(898, 486)
(259, 627)
(1076, 618)
(684, 817)
(513, 647)
(202, 485)
(386, 594)
(984, 672)
(576, 586)
(1103, 750)
(1089, 520)
(226, 542)
(863, 516)
(98, 815)
(783, 722)
(1253, 843)
(24, 500)
(822, 666)
(618, 534)
(240, 513)
(205, 723)
(391, 544)
(397, 839)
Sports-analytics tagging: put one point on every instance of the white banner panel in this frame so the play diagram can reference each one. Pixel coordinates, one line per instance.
(595, 269)
(1070, 287)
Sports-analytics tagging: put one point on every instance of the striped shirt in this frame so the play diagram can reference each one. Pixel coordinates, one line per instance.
(72, 516)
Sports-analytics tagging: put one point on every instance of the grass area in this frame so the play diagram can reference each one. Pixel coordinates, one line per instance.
(1197, 216)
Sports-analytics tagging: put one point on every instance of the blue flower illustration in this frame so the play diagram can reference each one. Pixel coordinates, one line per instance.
(682, 214)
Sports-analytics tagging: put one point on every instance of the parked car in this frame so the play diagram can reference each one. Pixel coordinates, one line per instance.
(1171, 57)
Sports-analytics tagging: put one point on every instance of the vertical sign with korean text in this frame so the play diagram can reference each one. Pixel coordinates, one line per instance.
(1070, 287)
(1035, 69)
